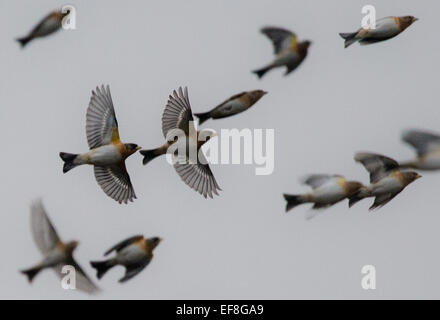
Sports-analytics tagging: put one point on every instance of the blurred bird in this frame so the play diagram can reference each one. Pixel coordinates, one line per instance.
(386, 180)
(177, 117)
(327, 190)
(56, 254)
(50, 24)
(107, 153)
(134, 254)
(289, 52)
(386, 28)
(427, 145)
(234, 105)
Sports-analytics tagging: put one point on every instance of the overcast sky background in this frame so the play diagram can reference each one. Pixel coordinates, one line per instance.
(241, 245)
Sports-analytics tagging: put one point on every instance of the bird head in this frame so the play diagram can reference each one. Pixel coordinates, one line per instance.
(154, 242)
(131, 147)
(406, 21)
(411, 176)
(256, 95)
(71, 246)
(307, 43)
(353, 187)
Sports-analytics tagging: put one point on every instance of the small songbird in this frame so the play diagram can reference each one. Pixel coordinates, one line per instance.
(427, 145)
(234, 105)
(327, 190)
(177, 117)
(56, 253)
(134, 254)
(107, 153)
(386, 28)
(50, 24)
(386, 180)
(289, 52)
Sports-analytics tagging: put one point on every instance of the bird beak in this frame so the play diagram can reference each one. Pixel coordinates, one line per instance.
(265, 92)
(418, 176)
(415, 19)
(138, 148)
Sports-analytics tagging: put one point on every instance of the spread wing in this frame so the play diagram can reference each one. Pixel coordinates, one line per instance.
(124, 244)
(177, 113)
(377, 165)
(281, 38)
(83, 282)
(132, 270)
(101, 123)
(317, 180)
(44, 233)
(423, 141)
(115, 182)
(198, 176)
(382, 200)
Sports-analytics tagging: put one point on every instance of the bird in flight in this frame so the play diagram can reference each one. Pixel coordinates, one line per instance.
(234, 105)
(386, 179)
(107, 153)
(50, 24)
(327, 190)
(134, 253)
(178, 127)
(386, 28)
(56, 253)
(288, 50)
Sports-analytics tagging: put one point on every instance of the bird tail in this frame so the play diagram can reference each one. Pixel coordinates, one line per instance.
(203, 116)
(69, 159)
(102, 266)
(358, 196)
(293, 200)
(150, 154)
(31, 273)
(261, 72)
(23, 41)
(349, 38)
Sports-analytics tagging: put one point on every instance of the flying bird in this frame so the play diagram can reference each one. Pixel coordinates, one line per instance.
(234, 105)
(50, 24)
(177, 118)
(107, 153)
(327, 190)
(56, 253)
(386, 28)
(289, 52)
(386, 180)
(134, 254)
(427, 145)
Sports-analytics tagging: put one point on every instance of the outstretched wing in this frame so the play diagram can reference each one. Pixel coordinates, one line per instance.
(198, 176)
(115, 182)
(44, 233)
(124, 244)
(177, 113)
(377, 165)
(423, 141)
(382, 200)
(83, 282)
(133, 270)
(317, 180)
(101, 123)
(281, 38)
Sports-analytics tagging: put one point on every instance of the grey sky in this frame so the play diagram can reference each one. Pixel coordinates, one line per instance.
(241, 244)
